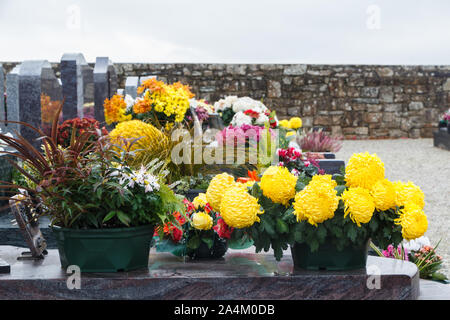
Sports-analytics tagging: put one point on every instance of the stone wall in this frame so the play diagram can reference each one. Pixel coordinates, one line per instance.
(358, 101)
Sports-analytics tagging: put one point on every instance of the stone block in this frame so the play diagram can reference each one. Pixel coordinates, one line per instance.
(72, 84)
(295, 69)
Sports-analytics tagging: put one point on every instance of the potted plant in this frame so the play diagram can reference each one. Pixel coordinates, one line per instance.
(319, 144)
(200, 234)
(102, 211)
(326, 220)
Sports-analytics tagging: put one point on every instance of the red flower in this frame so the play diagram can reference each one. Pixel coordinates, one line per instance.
(176, 234)
(223, 230)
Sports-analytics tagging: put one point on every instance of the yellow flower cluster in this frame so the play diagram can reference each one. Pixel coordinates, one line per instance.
(294, 123)
(359, 204)
(384, 196)
(239, 209)
(408, 193)
(115, 109)
(216, 189)
(202, 221)
(413, 221)
(318, 201)
(364, 170)
(278, 184)
(150, 139)
(200, 201)
(170, 99)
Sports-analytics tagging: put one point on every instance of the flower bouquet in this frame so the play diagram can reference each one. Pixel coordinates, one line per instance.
(445, 120)
(200, 234)
(244, 111)
(163, 105)
(77, 126)
(327, 220)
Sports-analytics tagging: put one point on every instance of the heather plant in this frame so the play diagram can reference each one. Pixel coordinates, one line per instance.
(319, 141)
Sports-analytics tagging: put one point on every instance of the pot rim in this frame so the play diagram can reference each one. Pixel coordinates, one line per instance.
(102, 230)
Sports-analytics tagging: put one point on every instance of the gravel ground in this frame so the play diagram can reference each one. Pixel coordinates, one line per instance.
(428, 167)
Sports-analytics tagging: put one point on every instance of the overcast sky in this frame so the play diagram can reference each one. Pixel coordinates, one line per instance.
(229, 31)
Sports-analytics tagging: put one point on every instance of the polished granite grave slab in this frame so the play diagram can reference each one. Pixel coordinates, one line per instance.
(240, 275)
(441, 139)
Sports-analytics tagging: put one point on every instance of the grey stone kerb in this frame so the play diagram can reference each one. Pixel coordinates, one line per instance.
(72, 84)
(105, 85)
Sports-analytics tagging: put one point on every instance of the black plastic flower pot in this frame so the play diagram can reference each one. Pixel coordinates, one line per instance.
(104, 250)
(217, 251)
(328, 257)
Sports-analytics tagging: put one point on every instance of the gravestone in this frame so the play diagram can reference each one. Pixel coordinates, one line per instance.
(2, 99)
(88, 91)
(12, 101)
(72, 84)
(105, 85)
(131, 86)
(34, 94)
(143, 78)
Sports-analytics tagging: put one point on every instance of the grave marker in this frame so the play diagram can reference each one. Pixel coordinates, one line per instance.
(72, 84)
(2, 99)
(131, 86)
(105, 85)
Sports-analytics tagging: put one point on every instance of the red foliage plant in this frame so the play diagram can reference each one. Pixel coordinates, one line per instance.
(78, 126)
(320, 141)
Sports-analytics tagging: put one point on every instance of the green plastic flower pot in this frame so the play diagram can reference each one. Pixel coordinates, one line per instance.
(104, 250)
(328, 257)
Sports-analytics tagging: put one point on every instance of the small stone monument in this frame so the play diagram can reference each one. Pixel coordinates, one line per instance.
(131, 86)
(34, 94)
(72, 84)
(105, 85)
(2, 97)
(88, 91)
(12, 101)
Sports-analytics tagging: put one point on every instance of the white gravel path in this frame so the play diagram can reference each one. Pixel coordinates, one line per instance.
(428, 167)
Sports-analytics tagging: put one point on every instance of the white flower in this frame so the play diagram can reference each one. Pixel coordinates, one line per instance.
(129, 101)
(417, 244)
(240, 119)
(262, 119)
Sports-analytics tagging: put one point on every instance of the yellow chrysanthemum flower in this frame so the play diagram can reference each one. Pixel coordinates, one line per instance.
(200, 200)
(239, 209)
(284, 123)
(216, 189)
(364, 170)
(359, 205)
(323, 178)
(278, 184)
(151, 143)
(317, 202)
(202, 221)
(409, 193)
(384, 195)
(413, 221)
(295, 123)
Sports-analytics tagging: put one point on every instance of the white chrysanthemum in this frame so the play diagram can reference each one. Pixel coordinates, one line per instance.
(240, 119)
(262, 119)
(416, 244)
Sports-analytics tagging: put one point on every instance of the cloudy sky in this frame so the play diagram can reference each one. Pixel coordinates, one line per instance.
(228, 31)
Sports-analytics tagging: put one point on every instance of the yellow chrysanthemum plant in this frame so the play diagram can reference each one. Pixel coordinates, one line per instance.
(163, 105)
(290, 129)
(343, 210)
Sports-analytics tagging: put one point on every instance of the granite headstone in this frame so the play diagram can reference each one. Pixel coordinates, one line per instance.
(2, 99)
(12, 101)
(105, 85)
(131, 86)
(72, 84)
(88, 91)
(39, 96)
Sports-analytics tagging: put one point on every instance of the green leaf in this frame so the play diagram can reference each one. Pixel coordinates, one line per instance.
(351, 233)
(125, 219)
(321, 233)
(193, 242)
(208, 241)
(340, 189)
(281, 226)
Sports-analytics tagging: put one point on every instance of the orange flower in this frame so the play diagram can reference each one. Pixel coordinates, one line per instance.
(152, 84)
(142, 106)
(115, 109)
